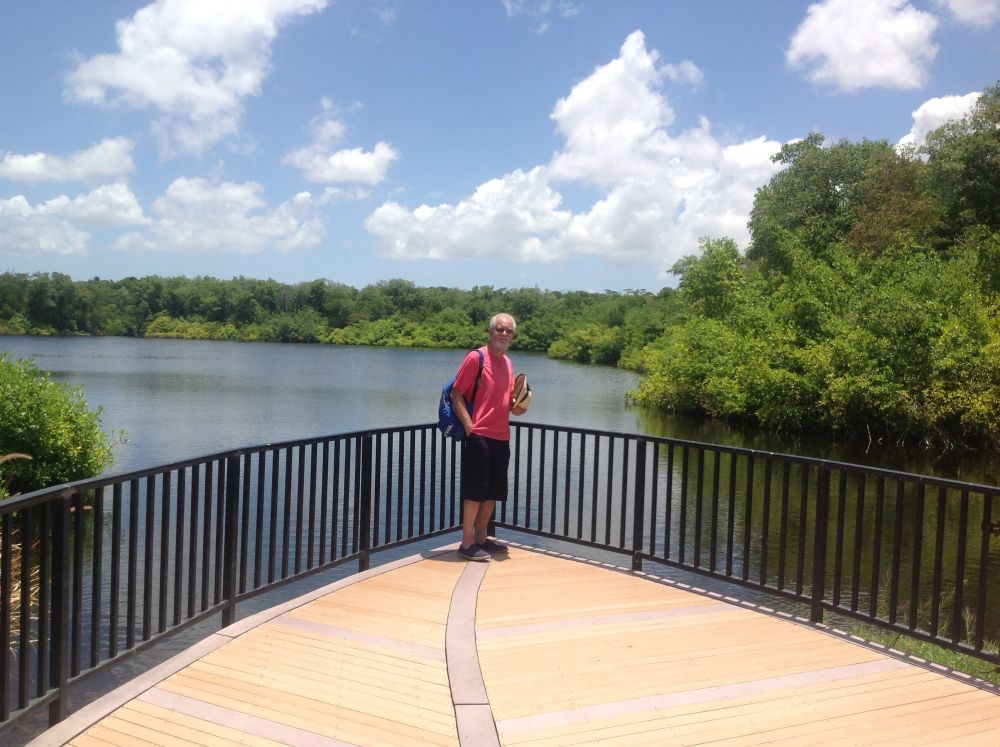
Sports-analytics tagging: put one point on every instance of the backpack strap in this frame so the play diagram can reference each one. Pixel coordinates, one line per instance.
(478, 378)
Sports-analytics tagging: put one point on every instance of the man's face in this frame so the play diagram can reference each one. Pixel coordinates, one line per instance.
(502, 332)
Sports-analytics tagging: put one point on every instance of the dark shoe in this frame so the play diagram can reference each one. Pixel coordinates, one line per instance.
(493, 547)
(473, 552)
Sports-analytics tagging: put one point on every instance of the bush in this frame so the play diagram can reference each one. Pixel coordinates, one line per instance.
(591, 343)
(51, 422)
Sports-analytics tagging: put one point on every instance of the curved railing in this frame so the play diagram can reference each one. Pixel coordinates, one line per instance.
(907, 553)
(96, 571)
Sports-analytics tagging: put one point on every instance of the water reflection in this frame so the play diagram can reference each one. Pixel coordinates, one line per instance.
(970, 465)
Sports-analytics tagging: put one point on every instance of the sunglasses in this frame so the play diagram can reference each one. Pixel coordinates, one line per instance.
(504, 330)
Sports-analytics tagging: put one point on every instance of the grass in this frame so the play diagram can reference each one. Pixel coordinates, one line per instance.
(15, 592)
(984, 670)
(15, 565)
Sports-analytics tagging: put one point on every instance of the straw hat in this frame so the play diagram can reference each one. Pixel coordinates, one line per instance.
(522, 392)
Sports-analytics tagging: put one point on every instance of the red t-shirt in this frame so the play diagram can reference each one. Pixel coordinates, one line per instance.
(491, 408)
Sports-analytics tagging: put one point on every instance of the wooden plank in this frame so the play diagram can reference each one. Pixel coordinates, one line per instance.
(101, 734)
(733, 721)
(302, 711)
(198, 683)
(118, 731)
(188, 726)
(373, 665)
(400, 694)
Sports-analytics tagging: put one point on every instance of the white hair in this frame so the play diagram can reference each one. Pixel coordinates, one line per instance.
(493, 319)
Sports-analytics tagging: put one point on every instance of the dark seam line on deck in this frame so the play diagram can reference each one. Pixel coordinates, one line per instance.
(473, 713)
(355, 636)
(716, 694)
(246, 723)
(711, 608)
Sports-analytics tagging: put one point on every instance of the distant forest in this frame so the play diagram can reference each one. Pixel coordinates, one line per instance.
(866, 303)
(393, 313)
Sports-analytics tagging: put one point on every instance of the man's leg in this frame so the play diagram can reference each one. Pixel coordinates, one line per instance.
(482, 521)
(483, 518)
(468, 548)
(470, 511)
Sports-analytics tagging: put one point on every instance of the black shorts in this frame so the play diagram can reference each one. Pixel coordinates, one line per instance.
(484, 469)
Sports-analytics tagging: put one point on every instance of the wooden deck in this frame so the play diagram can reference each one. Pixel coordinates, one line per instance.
(534, 649)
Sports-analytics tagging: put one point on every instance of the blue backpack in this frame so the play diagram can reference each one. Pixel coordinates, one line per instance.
(448, 422)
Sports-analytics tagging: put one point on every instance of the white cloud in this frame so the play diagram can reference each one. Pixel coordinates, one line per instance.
(684, 72)
(197, 215)
(320, 161)
(38, 230)
(935, 112)
(385, 14)
(111, 157)
(109, 206)
(981, 13)
(614, 121)
(661, 191)
(194, 61)
(661, 217)
(504, 218)
(541, 11)
(855, 44)
(60, 225)
(335, 195)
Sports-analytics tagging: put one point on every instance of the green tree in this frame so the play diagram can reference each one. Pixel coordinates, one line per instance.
(54, 303)
(813, 202)
(894, 207)
(963, 159)
(53, 424)
(712, 283)
(591, 343)
(13, 294)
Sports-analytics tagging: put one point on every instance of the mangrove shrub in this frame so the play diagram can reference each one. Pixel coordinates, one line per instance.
(53, 424)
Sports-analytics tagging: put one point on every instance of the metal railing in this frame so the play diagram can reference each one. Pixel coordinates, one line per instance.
(96, 571)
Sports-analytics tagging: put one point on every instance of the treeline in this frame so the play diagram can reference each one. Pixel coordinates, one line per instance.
(580, 326)
(867, 303)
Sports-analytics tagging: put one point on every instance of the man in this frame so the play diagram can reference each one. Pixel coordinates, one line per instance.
(486, 448)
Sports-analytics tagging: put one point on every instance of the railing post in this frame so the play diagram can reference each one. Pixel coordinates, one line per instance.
(232, 494)
(819, 543)
(365, 509)
(639, 504)
(59, 624)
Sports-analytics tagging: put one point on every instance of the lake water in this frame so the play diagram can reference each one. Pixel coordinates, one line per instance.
(177, 399)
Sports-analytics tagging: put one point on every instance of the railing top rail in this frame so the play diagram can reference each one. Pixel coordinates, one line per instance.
(27, 500)
(829, 463)
(67, 489)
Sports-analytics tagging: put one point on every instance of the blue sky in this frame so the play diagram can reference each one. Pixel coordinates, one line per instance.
(563, 144)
